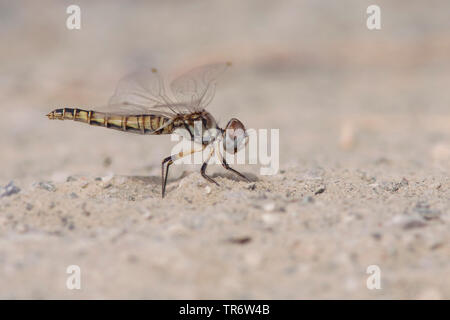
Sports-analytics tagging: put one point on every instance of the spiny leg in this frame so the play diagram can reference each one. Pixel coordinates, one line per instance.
(203, 169)
(171, 160)
(227, 166)
(164, 179)
(203, 172)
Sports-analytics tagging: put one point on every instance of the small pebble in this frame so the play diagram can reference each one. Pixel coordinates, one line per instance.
(365, 177)
(107, 178)
(436, 186)
(320, 190)
(207, 189)
(240, 240)
(84, 184)
(270, 218)
(9, 190)
(308, 199)
(46, 185)
(423, 209)
(269, 206)
(414, 224)
(407, 222)
(391, 186)
(251, 186)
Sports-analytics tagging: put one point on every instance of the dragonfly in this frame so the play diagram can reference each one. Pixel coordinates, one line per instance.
(142, 105)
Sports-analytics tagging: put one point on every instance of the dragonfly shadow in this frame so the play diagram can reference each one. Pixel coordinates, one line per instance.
(145, 179)
(234, 177)
(156, 179)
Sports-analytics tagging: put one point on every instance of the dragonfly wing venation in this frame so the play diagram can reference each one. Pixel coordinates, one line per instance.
(144, 92)
(134, 110)
(143, 87)
(197, 86)
(141, 104)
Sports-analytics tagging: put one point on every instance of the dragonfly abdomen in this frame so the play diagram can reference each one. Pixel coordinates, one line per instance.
(141, 124)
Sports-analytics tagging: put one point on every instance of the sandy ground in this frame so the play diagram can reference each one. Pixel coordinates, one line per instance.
(364, 153)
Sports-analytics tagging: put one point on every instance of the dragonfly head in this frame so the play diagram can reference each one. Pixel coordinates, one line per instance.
(234, 136)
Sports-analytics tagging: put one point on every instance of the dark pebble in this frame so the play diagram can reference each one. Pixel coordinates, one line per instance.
(320, 190)
(414, 224)
(9, 190)
(240, 240)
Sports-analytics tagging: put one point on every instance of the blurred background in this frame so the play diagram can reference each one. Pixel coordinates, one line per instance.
(344, 98)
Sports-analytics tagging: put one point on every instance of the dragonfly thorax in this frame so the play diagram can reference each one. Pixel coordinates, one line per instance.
(201, 127)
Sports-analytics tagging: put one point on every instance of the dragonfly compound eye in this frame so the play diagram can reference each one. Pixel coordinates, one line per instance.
(235, 137)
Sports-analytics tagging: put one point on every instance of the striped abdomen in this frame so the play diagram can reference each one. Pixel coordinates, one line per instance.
(141, 124)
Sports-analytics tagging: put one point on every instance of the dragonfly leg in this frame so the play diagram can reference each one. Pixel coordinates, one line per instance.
(171, 160)
(203, 172)
(164, 178)
(227, 166)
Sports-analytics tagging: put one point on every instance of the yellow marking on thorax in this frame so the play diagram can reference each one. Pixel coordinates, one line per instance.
(169, 127)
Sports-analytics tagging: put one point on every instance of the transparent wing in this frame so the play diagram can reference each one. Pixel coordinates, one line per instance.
(131, 109)
(143, 92)
(196, 88)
